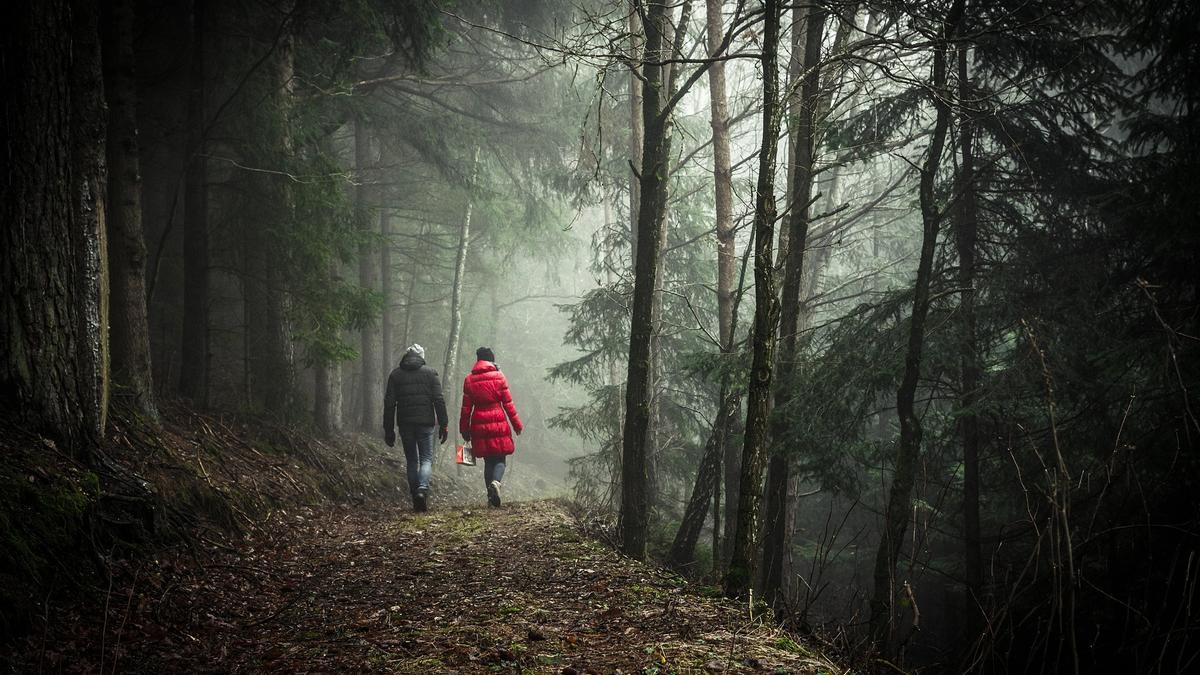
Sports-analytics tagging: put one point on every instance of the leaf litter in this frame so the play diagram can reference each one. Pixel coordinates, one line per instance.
(378, 588)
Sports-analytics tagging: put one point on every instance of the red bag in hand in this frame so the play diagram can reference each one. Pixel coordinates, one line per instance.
(462, 455)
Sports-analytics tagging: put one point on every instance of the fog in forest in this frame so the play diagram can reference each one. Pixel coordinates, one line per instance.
(877, 318)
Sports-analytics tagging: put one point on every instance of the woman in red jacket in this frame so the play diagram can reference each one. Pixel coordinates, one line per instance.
(487, 411)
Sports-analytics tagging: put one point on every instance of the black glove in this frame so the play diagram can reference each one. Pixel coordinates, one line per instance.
(443, 434)
(466, 436)
(389, 437)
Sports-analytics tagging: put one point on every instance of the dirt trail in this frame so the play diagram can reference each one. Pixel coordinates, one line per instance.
(382, 589)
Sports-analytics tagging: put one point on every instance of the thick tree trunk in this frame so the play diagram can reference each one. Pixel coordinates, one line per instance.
(193, 370)
(371, 380)
(653, 183)
(130, 334)
(899, 504)
(449, 378)
(53, 309)
(754, 452)
(327, 398)
(803, 156)
(965, 237)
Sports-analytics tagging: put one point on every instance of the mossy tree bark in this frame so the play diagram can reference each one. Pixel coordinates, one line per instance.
(53, 309)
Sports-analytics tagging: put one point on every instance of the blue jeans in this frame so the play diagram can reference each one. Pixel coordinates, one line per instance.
(493, 469)
(418, 455)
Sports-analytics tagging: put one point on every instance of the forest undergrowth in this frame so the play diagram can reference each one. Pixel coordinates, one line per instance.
(221, 544)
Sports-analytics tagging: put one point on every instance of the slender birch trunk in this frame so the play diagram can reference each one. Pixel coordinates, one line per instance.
(449, 377)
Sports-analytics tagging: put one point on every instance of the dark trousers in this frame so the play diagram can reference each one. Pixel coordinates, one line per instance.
(493, 469)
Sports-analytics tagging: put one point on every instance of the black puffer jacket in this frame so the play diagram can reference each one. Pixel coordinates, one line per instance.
(414, 396)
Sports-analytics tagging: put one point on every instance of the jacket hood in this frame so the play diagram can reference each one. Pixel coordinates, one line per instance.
(484, 366)
(411, 361)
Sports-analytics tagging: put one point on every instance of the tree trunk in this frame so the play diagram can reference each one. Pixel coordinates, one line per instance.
(726, 256)
(652, 202)
(965, 238)
(754, 451)
(272, 376)
(716, 524)
(327, 398)
(387, 352)
(732, 477)
(53, 311)
(637, 130)
(683, 548)
(612, 445)
(371, 380)
(413, 279)
(637, 135)
(803, 156)
(130, 331)
(193, 370)
(460, 270)
(899, 504)
(709, 475)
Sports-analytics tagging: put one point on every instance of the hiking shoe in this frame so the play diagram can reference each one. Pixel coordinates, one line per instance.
(421, 500)
(494, 494)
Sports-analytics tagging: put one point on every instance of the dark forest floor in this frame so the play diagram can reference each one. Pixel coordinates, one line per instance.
(379, 588)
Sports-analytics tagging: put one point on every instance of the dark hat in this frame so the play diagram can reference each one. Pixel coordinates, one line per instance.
(485, 354)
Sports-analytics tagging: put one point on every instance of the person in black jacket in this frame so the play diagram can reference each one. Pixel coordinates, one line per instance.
(413, 404)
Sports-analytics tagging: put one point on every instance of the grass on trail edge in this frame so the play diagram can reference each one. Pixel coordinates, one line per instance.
(293, 555)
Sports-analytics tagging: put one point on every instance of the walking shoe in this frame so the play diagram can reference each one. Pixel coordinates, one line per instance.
(421, 500)
(494, 493)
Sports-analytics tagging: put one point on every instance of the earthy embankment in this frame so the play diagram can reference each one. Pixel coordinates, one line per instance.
(218, 545)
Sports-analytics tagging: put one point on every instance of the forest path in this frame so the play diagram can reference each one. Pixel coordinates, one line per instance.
(380, 588)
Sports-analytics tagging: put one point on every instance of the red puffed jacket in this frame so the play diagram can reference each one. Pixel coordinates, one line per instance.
(485, 402)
